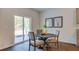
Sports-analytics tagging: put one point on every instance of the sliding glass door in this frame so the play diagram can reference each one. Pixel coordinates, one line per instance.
(22, 27)
(27, 27)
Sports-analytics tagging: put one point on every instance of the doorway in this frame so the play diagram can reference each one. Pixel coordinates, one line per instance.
(22, 27)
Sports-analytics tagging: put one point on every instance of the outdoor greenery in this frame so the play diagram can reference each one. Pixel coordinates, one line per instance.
(44, 26)
(19, 22)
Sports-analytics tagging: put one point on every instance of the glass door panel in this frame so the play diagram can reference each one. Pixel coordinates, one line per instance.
(18, 29)
(27, 28)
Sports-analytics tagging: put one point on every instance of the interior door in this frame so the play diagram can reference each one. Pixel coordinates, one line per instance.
(77, 23)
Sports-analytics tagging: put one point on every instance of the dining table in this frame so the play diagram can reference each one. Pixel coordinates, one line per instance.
(44, 37)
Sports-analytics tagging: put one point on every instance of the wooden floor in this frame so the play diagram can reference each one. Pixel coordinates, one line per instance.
(62, 47)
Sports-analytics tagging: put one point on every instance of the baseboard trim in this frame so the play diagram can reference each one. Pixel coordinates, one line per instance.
(6, 47)
(68, 43)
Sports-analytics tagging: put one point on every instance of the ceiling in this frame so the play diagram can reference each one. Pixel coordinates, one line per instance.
(40, 9)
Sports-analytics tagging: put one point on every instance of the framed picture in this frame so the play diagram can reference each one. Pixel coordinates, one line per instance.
(54, 22)
(48, 22)
(58, 22)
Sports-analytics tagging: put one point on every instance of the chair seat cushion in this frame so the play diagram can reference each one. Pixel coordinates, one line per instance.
(38, 42)
(52, 39)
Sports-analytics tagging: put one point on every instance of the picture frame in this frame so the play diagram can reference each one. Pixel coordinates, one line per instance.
(58, 22)
(54, 22)
(49, 22)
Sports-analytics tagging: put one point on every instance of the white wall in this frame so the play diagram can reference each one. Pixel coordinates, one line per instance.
(7, 24)
(68, 32)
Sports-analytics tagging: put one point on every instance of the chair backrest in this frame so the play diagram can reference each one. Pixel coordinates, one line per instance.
(58, 32)
(39, 31)
(31, 36)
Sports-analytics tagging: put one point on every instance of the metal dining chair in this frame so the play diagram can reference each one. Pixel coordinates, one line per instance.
(33, 41)
(39, 31)
(54, 39)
